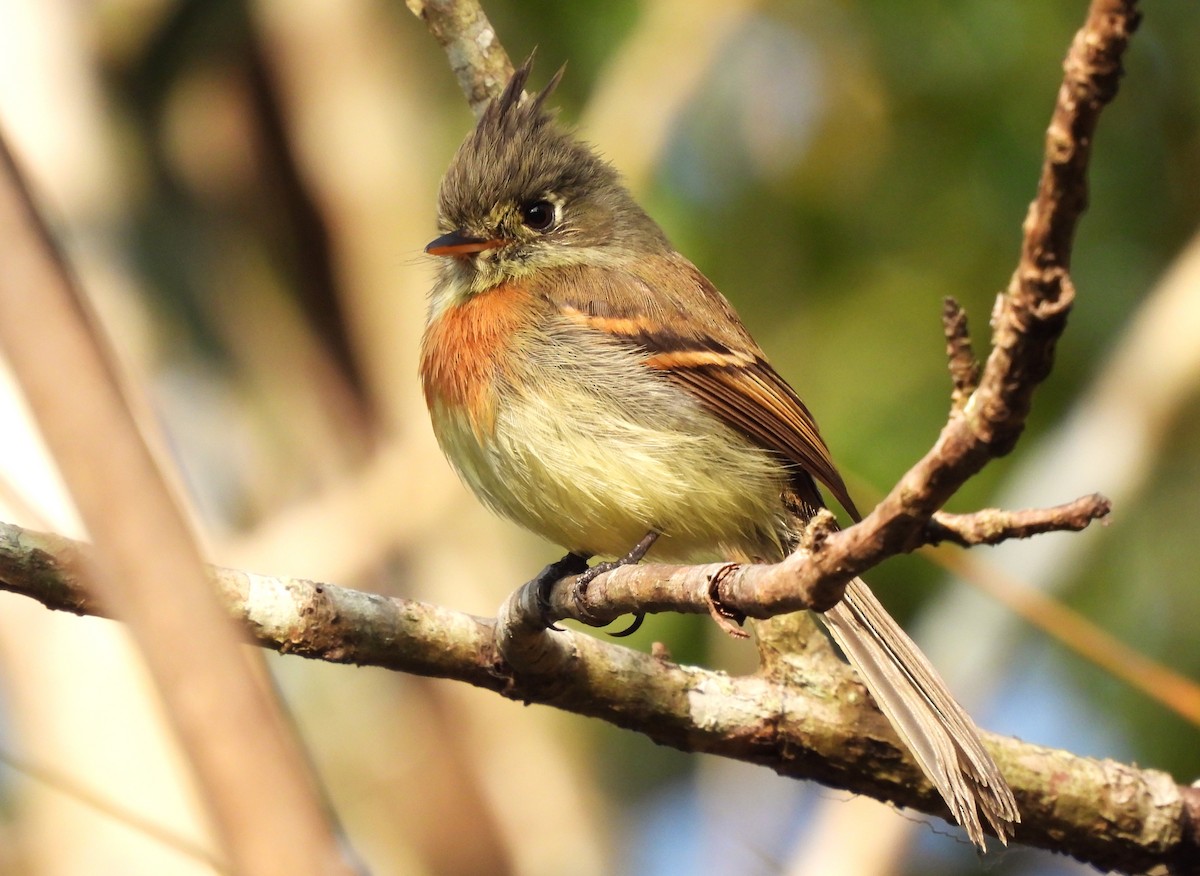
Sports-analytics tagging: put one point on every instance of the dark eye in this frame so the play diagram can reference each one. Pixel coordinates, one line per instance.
(539, 215)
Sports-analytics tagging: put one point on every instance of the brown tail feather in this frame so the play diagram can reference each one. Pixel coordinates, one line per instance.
(913, 697)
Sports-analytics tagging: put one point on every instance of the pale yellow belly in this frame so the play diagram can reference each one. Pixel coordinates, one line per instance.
(594, 473)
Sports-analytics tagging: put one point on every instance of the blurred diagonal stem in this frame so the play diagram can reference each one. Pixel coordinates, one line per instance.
(249, 769)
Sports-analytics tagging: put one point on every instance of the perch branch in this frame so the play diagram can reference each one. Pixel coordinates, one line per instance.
(1112, 815)
(813, 577)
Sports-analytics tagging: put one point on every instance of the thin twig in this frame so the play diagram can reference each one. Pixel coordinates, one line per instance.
(478, 60)
(964, 367)
(993, 526)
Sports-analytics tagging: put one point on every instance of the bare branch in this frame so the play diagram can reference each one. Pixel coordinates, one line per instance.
(1109, 814)
(478, 60)
(1030, 315)
(812, 578)
(992, 526)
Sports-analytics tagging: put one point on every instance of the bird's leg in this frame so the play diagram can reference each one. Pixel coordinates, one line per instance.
(544, 581)
(631, 558)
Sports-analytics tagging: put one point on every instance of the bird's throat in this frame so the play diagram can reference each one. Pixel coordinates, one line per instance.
(463, 351)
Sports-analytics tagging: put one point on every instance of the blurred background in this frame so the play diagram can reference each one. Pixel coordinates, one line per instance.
(245, 188)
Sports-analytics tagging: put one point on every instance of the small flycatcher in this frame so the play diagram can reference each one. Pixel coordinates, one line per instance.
(588, 382)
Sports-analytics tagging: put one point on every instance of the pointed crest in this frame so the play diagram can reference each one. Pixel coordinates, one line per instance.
(515, 109)
(517, 151)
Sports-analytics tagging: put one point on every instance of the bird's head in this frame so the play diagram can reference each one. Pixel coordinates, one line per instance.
(523, 195)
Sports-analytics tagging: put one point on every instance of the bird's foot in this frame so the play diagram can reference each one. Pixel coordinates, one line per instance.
(579, 593)
(544, 581)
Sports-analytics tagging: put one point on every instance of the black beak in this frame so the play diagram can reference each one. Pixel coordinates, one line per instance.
(456, 243)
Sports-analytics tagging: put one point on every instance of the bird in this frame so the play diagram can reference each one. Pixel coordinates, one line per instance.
(589, 383)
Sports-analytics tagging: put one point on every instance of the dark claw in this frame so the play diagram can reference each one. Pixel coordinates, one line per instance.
(632, 628)
(544, 581)
(579, 592)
